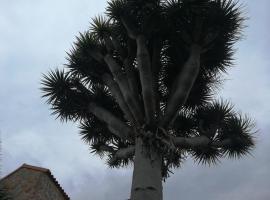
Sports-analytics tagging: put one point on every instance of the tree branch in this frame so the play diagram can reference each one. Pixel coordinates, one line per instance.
(199, 142)
(128, 59)
(116, 92)
(118, 47)
(183, 85)
(108, 43)
(122, 82)
(106, 148)
(124, 87)
(144, 66)
(146, 77)
(117, 126)
(156, 64)
(125, 152)
(130, 71)
(131, 31)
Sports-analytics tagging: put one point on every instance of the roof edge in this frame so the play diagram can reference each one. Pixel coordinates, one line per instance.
(39, 169)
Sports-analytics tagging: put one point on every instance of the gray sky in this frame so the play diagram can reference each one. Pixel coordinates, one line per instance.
(34, 36)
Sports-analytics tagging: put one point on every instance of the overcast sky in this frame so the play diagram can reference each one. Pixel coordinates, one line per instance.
(34, 36)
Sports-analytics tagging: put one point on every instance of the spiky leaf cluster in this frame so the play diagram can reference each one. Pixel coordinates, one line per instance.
(218, 122)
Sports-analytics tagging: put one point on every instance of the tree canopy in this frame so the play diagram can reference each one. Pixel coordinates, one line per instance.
(150, 69)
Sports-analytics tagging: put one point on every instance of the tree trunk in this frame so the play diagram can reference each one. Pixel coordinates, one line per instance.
(147, 178)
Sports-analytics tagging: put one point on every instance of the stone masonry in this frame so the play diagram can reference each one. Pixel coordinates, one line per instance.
(33, 183)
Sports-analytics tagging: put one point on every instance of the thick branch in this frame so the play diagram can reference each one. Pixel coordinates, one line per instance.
(109, 43)
(144, 66)
(197, 29)
(221, 144)
(156, 64)
(118, 127)
(146, 77)
(128, 59)
(131, 31)
(118, 47)
(124, 87)
(116, 92)
(130, 70)
(121, 153)
(106, 148)
(125, 153)
(131, 76)
(199, 142)
(121, 80)
(183, 85)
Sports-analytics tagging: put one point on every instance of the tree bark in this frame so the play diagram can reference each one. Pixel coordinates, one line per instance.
(121, 80)
(146, 78)
(147, 177)
(130, 70)
(125, 152)
(115, 125)
(156, 64)
(116, 92)
(200, 141)
(183, 85)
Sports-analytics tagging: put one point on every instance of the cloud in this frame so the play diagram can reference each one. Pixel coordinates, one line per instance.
(34, 38)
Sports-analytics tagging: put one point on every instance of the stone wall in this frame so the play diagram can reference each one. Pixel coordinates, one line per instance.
(22, 181)
(28, 184)
(46, 190)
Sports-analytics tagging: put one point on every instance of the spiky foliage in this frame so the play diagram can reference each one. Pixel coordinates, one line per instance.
(137, 57)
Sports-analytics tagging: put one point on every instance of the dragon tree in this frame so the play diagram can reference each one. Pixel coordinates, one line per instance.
(141, 83)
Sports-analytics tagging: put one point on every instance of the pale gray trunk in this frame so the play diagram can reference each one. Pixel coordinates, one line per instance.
(147, 177)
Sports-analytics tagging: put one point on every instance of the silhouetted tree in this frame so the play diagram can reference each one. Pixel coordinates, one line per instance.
(141, 83)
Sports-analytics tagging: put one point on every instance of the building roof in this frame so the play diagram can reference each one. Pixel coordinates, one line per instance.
(43, 170)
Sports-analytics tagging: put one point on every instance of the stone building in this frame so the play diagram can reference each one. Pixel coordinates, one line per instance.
(33, 183)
